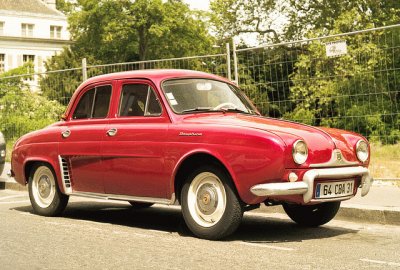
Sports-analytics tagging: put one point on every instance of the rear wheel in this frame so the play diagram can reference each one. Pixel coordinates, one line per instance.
(140, 205)
(312, 215)
(44, 194)
(210, 206)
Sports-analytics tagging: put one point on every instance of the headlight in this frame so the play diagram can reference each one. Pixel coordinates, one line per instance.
(300, 152)
(362, 150)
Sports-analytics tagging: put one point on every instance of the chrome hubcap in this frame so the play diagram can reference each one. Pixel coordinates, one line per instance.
(206, 199)
(43, 187)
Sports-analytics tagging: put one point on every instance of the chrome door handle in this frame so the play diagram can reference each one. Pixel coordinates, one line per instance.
(112, 132)
(66, 133)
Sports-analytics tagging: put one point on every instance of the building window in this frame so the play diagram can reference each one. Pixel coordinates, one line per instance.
(1, 28)
(2, 60)
(27, 58)
(27, 30)
(55, 31)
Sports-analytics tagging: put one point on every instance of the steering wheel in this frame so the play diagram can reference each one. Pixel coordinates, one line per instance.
(225, 104)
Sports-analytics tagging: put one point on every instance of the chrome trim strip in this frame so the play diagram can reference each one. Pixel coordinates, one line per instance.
(337, 160)
(306, 187)
(67, 187)
(276, 189)
(125, 197)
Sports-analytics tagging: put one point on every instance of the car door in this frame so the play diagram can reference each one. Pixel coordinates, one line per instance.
(82, 135)
(133, 150)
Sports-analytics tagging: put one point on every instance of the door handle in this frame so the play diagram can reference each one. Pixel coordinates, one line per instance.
(66, 133)
(112, 132)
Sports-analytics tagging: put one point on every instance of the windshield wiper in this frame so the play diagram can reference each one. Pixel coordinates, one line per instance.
(198, 109)
(235, 110)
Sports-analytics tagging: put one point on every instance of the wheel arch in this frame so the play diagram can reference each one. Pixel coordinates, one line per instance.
(30, 163)
(193, 159)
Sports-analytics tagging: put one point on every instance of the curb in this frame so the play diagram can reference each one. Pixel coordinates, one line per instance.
(377, 215)
(354, 213)
(12, 186)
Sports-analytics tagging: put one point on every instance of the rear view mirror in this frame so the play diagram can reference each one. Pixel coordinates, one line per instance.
(206, 86)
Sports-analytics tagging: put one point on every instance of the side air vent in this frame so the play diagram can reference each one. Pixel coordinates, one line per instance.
(66, 177)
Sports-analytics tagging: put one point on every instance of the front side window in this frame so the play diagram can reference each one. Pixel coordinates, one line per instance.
(138, 100)
(94, 103)
(203, 95)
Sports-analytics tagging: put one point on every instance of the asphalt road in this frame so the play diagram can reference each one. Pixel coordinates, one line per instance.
(111, 235)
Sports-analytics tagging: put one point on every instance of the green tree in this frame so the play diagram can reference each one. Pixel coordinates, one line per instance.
(118, 31)
(232, 18)
(113, 31)
(307, 16)
(21, 110)
(351, 91)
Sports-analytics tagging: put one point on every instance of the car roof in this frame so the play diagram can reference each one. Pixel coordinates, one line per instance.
(153, 74)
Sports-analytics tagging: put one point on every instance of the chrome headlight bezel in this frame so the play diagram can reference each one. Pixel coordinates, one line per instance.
(300, 157)
(362, 151)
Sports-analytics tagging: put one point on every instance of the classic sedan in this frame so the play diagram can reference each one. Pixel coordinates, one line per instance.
(2, 152)
(158, 136)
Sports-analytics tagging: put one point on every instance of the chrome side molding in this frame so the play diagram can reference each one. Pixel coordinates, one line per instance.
(125, 198)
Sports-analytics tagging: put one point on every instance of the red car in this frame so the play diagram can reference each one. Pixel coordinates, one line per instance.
(159, 136)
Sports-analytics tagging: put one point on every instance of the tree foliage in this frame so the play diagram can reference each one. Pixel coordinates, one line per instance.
(357, 91)
(22, 110)
(117, 31)
(231, 18)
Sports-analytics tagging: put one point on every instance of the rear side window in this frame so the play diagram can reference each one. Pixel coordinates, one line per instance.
(139, 100)
(94, 103)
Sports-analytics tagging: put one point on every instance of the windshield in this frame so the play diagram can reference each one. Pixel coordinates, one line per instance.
(202, 95)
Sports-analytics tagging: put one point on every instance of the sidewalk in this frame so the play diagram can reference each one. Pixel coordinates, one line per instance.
(381, 205)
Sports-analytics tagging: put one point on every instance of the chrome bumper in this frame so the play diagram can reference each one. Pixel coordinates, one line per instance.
(306, 187)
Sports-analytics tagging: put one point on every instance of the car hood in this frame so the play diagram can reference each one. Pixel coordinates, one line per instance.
(321, 141)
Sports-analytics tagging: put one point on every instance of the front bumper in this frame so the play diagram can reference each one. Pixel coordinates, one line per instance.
(306, 187)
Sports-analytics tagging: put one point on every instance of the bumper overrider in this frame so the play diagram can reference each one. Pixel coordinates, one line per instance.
(306, 187)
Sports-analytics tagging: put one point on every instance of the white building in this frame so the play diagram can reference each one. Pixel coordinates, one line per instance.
(30, 30)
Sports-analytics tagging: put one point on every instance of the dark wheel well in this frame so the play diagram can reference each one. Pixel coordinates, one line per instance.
(30, 164)
(189, 164)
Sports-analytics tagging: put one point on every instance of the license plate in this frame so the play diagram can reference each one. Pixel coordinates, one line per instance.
(334, 189)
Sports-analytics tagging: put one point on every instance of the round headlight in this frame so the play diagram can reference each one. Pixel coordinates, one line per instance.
(300, 152)
(362, 150)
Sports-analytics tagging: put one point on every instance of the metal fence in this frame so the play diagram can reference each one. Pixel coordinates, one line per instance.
(357, 90)
(355, 87)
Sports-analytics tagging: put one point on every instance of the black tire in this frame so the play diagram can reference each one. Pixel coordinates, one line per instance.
(312, 215)
(44, 193)
(140, 205)
(202, 201)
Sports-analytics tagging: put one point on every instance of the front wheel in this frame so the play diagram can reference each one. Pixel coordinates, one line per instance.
(44, 194)
(312, 215)
(210, 206)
